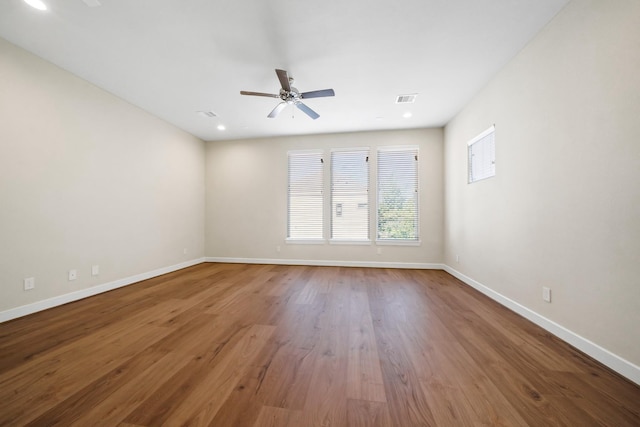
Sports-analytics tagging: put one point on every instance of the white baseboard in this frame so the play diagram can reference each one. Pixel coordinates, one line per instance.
(24, 310)
(604, 356)
(328, 263)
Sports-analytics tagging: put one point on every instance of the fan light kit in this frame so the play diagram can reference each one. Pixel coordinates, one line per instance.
(289, 95)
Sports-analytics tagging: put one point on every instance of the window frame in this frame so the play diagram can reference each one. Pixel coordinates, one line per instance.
(479, 139)
(306, 240)
(350, 240)
(398, 242)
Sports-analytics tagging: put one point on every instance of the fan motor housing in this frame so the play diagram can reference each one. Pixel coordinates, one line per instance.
(291, 96)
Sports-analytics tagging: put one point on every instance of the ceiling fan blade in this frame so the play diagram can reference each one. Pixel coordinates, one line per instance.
(270, 95)
(284, 80)
(308, 111)
(277, 110)
(317, 93)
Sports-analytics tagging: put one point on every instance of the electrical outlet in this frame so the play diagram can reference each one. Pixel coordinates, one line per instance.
(546, 294)
(184, 251)
(278, 248)
(73, 274)
(457, 258)
(379, 251)
(29, 283)
(95, 270)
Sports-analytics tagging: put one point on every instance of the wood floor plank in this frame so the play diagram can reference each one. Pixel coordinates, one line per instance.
(277, 417)
(284, 368)
(602, 409)
(365, 413)
(402, 385)
(280, 375)
(40, 340)
(70, 368)
(364, 376)
(326, 403)
(279, 285)
(449, 405)
(224, 378)
(69, 410)
(116, 406)
(318, 283)
(533, 346)
(528, 394)
(205, 386)
(272, 345)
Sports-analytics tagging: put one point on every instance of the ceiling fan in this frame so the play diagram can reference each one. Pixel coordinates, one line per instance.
(291, 96)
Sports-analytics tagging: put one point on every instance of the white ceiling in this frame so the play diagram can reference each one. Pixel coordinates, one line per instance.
(175, 57)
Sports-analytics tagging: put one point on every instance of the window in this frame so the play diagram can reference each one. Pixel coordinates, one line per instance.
(398, 194)
(305, 198)
(350, 194)
(482, 156)
(348, 201)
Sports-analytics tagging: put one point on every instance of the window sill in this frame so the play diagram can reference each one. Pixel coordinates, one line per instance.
(349, 242)
(305, 241)
(399, 242)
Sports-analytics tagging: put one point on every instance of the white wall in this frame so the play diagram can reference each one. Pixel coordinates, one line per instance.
(86, 178)
(564, 208)
(246, 185)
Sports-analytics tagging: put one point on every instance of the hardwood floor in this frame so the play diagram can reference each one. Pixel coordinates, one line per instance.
(264, 345)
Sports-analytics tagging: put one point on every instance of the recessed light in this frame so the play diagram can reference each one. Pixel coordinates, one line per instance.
(37, 4)
(221, 127)
(407, 114)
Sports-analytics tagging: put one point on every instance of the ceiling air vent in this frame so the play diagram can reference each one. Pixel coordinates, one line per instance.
(406, 99)
(209, 114)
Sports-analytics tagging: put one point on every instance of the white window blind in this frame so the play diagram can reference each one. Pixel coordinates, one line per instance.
(398, 194)
(482, 156)
(305, 198)
(350, 194)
